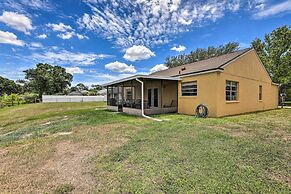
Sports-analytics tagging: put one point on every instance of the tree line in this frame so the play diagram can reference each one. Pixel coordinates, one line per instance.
(43, 79)
(201, 54)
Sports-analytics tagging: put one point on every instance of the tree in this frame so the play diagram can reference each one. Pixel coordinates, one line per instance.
(275, 53)
(96, 87)
(8, 86)
(24, 84)
(81, 87)
(48, 79)
(201, 54)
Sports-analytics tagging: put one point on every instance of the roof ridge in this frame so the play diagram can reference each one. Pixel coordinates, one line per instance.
(211, 58)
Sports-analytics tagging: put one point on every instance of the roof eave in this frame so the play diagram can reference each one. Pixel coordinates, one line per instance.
(141, 76)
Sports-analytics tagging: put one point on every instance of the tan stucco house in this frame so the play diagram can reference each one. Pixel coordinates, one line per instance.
(230, 84)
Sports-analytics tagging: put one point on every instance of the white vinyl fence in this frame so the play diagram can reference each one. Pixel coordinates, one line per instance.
(49, 98)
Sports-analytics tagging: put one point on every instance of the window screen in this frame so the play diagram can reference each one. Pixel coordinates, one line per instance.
(189, 88)
(231, 90)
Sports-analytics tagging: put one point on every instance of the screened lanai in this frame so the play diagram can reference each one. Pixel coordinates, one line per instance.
(150, 94)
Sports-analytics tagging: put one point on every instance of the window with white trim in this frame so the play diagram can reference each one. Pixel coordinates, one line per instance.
(231, 91)
(189, 88)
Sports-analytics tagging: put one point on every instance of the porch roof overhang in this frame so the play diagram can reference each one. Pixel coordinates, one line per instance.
(142, 76)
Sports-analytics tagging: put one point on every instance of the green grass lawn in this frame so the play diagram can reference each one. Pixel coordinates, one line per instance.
(83, 148)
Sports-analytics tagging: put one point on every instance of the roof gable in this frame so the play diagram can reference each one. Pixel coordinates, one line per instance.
(250, 66)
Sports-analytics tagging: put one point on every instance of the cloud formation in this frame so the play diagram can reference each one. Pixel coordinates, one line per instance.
(36, 45)
(149, 23)
(159, 67)
(274, 9)
(66, 35)
(120, 67)
(74, 70)
(17, 21)
(69, 58)
(67, 31)
(61, 27)
(137, 53)
(180, 48)
(10, 38)
(42, 36)
(22, 5)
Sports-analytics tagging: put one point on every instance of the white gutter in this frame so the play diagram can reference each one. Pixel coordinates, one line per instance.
(142, 104)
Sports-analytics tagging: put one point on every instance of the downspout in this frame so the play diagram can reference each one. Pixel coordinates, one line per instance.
(142, 104)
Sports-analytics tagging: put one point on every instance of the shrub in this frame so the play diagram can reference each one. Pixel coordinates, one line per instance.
(30, 98)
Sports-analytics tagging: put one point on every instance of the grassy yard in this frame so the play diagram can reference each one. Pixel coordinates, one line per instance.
(82, 148)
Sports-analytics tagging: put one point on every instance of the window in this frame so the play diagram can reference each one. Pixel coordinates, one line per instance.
(260, 92)
(189, 88)
(231, 90)
(128, 95)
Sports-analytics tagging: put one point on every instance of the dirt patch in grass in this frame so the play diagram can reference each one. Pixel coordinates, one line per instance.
(70, 164)
(67, 160)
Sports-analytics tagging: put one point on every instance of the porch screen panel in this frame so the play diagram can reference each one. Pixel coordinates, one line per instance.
(189, 88)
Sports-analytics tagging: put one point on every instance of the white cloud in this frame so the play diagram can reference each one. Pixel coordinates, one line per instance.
(42, 36)
(149, 23)
(81, 37)
(10, 38)
(37, 4)
(256, 4)
(61, 27)
(67, 31)
(159, 67)
(23, 5)
(180, 48)
(66, 35)
(16, 21)
(274, 9)
(74, 70)
(67, 57)
(36, 44)
(136, 53)
(120, 67)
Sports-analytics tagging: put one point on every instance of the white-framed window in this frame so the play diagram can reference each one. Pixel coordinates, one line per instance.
(231, 91)
(260, 92)
(189, 88)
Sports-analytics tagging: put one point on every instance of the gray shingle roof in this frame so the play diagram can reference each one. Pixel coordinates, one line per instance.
(201, 66)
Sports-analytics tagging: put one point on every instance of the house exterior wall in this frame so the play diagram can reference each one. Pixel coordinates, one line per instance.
(248, 72)
(206, 94)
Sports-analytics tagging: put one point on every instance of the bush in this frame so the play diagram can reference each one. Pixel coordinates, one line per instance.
(30, 98)
(10, 100)
(15, 99)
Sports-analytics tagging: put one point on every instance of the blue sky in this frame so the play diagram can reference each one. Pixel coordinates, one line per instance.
(102, 40)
